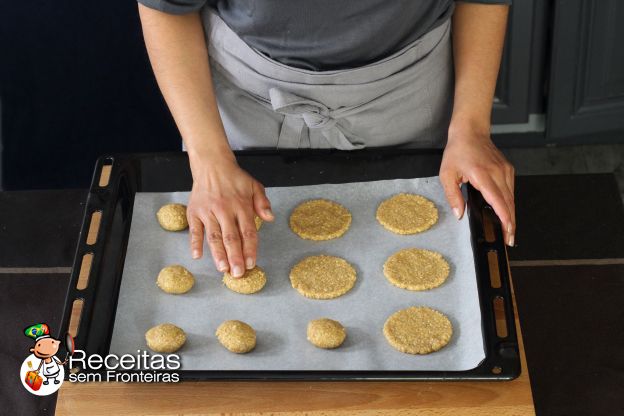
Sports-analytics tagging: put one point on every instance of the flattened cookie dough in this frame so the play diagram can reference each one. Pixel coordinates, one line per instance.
(418, 330)
(407, 214)
(236, 336)
(165, 338)
(320, 219)
(416, 269)
(251, 282)
(322, 277)
(326, 333)
(172, 217)
(175, 279)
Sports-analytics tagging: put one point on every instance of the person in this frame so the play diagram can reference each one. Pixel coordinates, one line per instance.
(240, 74)
(45, 349)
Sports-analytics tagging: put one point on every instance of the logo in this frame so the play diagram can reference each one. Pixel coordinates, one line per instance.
(42, 373)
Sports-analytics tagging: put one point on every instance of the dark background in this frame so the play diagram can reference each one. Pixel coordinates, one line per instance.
(75, 83)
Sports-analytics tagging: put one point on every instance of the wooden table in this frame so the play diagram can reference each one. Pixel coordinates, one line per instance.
(502, 398)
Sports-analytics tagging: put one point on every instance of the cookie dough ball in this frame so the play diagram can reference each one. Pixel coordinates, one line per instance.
(172, 217)
(175, 279)
(251, 282)
(236, 336)
(165, 338)
(258, 221)
(326, 333)
(416, 269)
(407, 214)
(418, 330)
(320, 219)
(322, 277)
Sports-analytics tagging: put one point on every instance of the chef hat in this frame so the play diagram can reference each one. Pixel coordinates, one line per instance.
(38, 331)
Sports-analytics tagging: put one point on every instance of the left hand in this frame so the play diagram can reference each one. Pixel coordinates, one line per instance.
(471, 156)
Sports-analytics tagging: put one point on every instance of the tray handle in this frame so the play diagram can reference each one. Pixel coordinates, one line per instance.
(83, 282)
(498, 294)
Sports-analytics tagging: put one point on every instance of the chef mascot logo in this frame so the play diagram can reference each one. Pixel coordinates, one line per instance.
(42, 373)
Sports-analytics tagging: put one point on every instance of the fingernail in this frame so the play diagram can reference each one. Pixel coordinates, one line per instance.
(268, 213)
(249, 263)
(511, 241)
(237, 271)
(509, 227)
(195, 254)
(223, 266)
(457, 213)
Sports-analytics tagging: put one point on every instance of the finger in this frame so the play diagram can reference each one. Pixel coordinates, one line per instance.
(494, 196)
(196, 233)
(507, 193)
(247, 229)
(452, 190)
(261, 203)
(232, 243)
(215, 243)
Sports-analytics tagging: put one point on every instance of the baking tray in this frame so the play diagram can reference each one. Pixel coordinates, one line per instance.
(170, 172)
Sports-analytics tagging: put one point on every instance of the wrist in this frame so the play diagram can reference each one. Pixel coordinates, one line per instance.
(209, 162)
(468, 127)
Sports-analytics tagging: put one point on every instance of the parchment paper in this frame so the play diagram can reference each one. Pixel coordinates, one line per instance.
(279, 313)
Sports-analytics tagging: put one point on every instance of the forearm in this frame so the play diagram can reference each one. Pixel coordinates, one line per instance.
(478, 36)
(179, 57)
(470, 156)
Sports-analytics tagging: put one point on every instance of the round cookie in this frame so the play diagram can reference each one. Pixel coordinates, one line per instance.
(416, 269)
(251, 282)
(172, 217)
(320, 219)
(418, 330)
(326, 333)
(175, 279)
(165, 338)
(407, 214)
(236, 336)
(258, 221)
(322, 277)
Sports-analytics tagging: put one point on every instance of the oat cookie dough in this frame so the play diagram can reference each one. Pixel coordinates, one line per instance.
(416, 269)
(165, 338)
(258, 221)
(251, 282)
(172, 217)
(320, 219)
(407, 214)
(175, 279)
(236, 336)
(326, 333)
(322, 277)
(418, 330)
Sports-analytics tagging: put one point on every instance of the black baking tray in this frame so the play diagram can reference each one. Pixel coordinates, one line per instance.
(170, 172)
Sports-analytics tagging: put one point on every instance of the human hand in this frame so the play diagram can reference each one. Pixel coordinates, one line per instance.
(221, 207)
(471, 157)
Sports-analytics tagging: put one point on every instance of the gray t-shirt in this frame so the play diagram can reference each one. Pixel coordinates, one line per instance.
(324, 34)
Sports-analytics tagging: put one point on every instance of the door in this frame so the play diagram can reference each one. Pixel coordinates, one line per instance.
(586, 92)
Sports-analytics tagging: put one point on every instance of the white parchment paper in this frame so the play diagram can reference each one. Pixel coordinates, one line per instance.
(279, 313)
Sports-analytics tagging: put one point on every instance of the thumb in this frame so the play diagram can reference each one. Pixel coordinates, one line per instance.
(451, 185)
(261, 203)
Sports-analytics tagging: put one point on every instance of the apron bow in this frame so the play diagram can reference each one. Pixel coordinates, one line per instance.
(299, 112)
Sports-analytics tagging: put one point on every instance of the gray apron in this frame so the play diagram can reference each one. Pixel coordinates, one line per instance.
(404, 99)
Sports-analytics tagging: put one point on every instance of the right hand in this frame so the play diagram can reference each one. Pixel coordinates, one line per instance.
(221, 207)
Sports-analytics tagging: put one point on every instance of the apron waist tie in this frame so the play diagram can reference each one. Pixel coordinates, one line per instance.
(300, 112)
